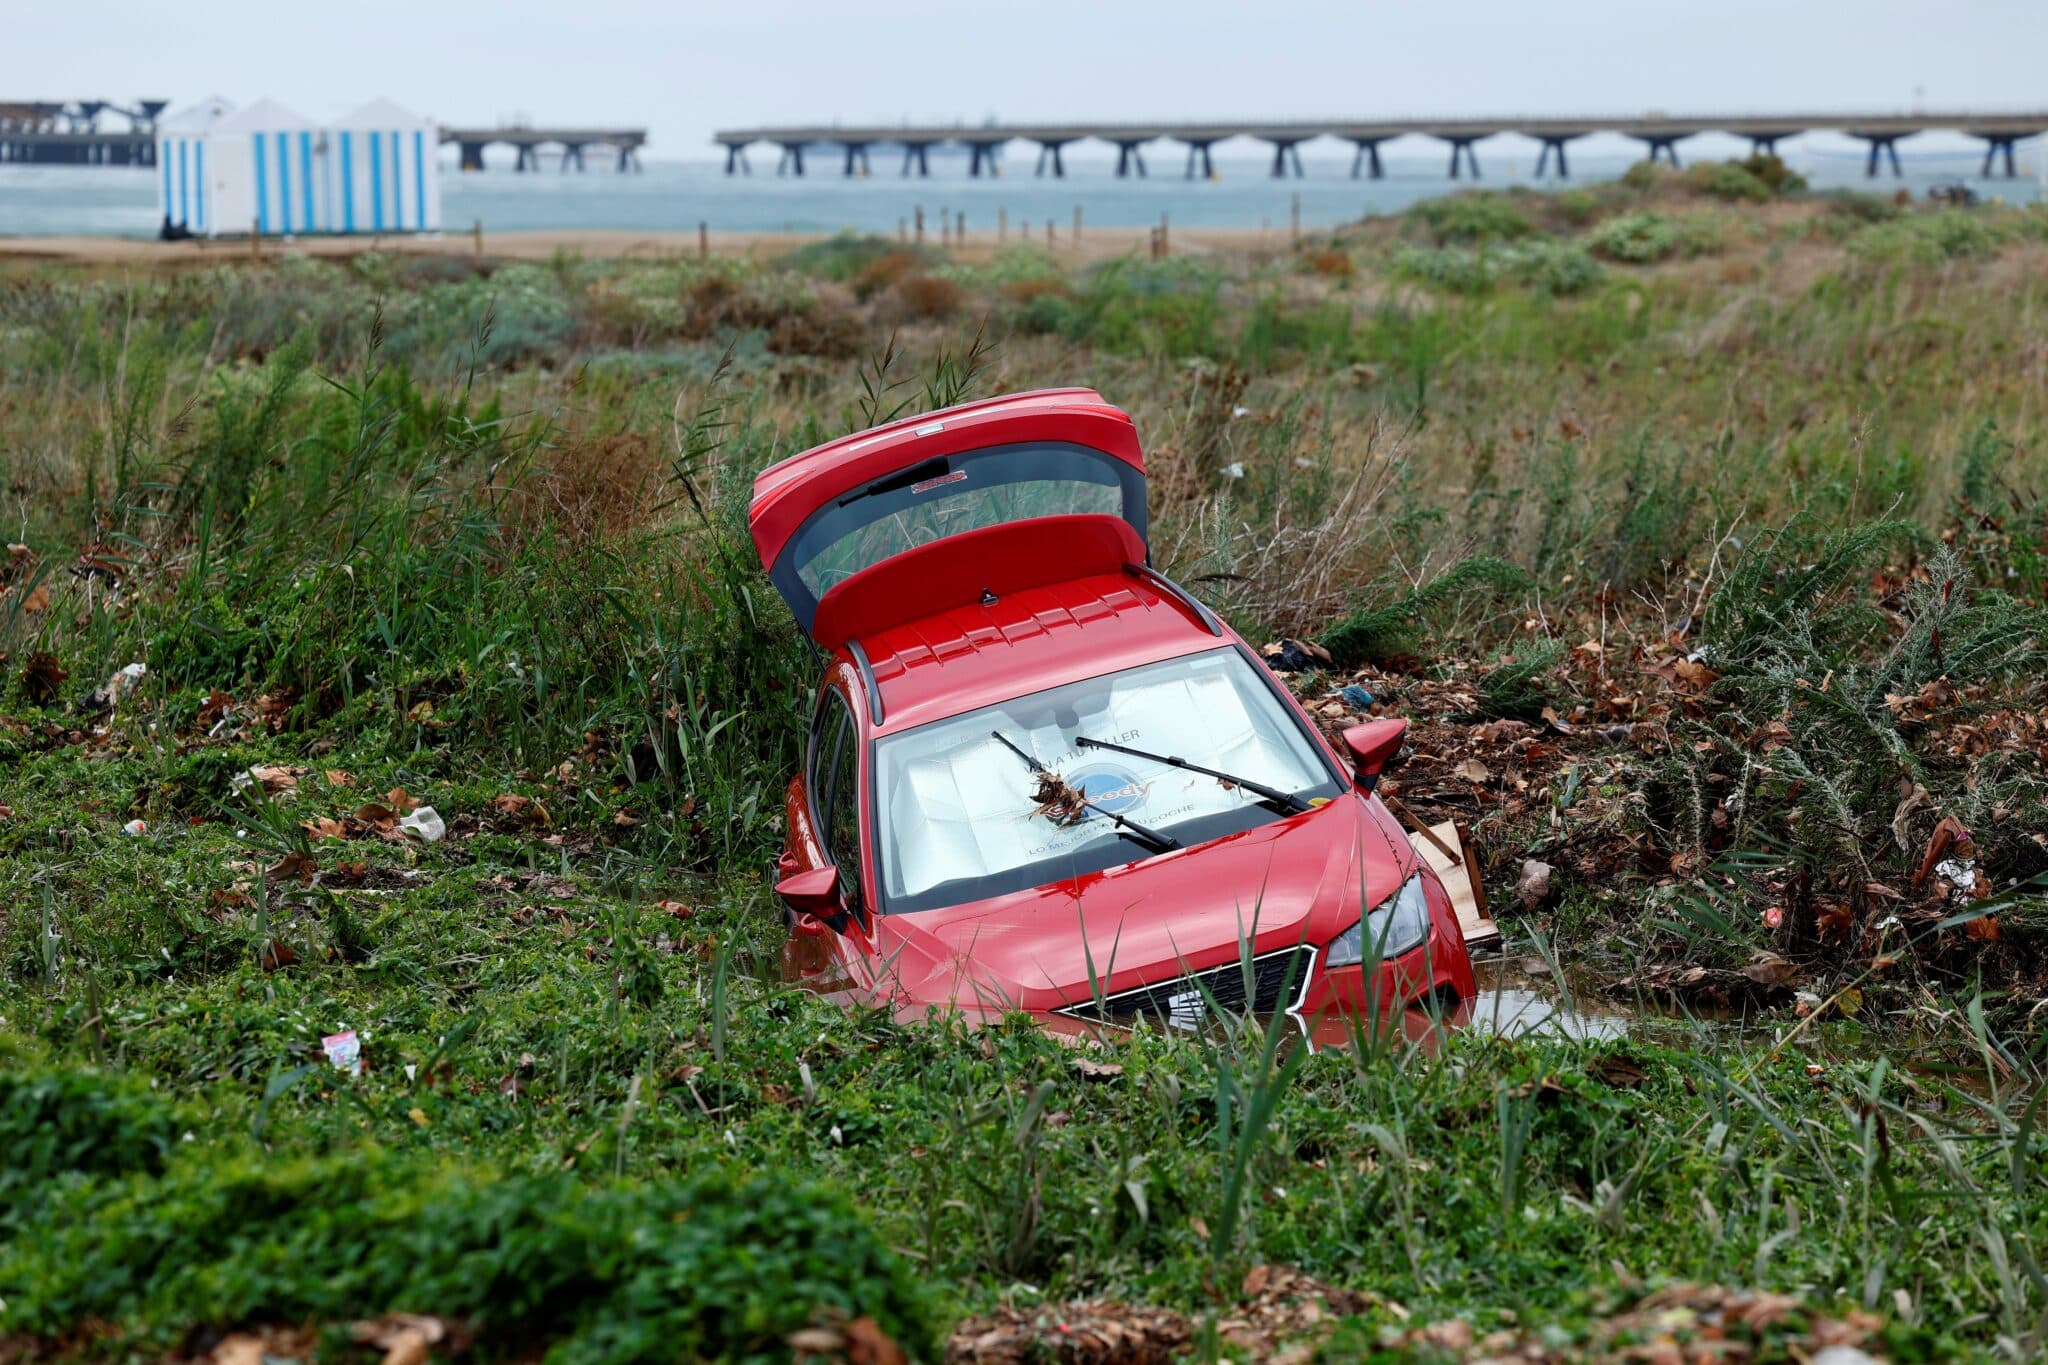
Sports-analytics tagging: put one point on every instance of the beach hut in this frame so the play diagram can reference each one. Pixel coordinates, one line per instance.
(264, 173)
(387, 170)
(182, 140)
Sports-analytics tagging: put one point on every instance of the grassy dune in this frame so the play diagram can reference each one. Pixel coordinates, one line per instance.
(1707, 523)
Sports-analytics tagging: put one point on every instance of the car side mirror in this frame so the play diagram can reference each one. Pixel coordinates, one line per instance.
(1373, 746)
(813, 900)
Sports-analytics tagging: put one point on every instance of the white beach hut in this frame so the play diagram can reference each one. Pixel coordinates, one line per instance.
(387, 170)
(264, 173)
(182, 140)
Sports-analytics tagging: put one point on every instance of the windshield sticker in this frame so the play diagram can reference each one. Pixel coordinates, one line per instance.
(929, 484)
(1115, 790)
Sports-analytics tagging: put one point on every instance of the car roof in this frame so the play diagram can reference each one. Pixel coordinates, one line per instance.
(976, 655)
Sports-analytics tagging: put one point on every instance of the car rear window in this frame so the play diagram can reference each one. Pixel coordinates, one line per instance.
(948, 495)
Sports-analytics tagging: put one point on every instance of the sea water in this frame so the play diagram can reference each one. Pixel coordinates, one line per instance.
(676, 196)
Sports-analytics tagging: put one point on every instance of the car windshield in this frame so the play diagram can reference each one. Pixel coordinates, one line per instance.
(958, 820)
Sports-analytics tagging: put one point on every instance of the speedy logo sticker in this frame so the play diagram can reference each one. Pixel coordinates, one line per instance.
(940, 482)
(1116, 790)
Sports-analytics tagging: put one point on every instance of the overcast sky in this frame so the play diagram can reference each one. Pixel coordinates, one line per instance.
(683, 69)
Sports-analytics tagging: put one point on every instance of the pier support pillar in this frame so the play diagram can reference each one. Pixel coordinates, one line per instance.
(791, 162)
(1367, 156)
(1885, 145)
(914, 159)
(472, 156)
(980, 154)
(1286, 153)
(1198, 153)
(736, 160)
(1665, 148)
(1994, 143)
(857, 159)
(629, 159)
(1461, 151)
(528, 158)
(1553, 146)
(1051, 151)
(1129, 157)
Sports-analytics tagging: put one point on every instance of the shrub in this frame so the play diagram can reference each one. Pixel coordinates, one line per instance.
(885, 271)
(1727, 180)
(1774, 173)
(58, 1123)
(1331, 262)
(1862, 206)
(1554, 267)
(1577, 207)
(710, 1267)
(1644, 175)
(1545, 266)
(1480, 216)
(1460, 270)
(1929, 239)
(1634, 237)
(1393, 623)
(845, 257)
(929, 297)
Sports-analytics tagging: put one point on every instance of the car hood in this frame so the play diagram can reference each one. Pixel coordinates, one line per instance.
(1293, 881)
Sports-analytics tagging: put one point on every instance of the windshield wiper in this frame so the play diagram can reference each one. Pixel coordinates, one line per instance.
(1293, 804)
(1130, 829)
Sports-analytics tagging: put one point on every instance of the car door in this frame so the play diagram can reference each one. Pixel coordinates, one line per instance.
(833, 771)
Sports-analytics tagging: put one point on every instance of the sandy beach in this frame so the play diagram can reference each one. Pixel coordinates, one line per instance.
(604, 243)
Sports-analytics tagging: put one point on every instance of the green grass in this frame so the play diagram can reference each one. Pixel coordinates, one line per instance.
(477, 533)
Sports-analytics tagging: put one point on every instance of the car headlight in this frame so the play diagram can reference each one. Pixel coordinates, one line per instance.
(1399, 924)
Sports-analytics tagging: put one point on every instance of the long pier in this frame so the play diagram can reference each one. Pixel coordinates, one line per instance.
(625, 143)
(1660, 133)
(67, 133)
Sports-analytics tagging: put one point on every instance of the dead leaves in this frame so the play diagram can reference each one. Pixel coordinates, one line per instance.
(293, 866)
(41, 677)
(411, 1338)
(1058, 802)
(1475, 772)
(1091, 1332)
(1618, 1070)
(512, 812)
(859, 1342)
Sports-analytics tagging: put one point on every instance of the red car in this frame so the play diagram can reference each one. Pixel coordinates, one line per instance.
(1043, 777)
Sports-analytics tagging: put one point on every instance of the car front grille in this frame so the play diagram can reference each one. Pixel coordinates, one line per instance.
(1276, 981)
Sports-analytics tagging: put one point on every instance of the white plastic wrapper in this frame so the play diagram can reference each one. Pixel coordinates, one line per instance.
(344, 1051)
(427, 823)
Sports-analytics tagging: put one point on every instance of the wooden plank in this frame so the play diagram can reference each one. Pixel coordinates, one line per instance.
(1447, 854)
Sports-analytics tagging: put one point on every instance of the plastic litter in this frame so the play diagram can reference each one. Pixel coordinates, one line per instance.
(1233, 470)
(1293, 656)
(124, 680)
(1356, 697)
(135, 829)
(427, 823)
(1960, 873)
(344, 1051)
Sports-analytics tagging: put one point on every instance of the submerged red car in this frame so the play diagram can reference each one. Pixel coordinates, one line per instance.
(1043, 777)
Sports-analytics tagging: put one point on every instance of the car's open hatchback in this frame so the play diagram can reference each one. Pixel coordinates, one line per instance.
(1022, 490)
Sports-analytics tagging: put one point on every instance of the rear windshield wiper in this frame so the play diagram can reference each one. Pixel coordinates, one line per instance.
(1131, 829)
(1293, 804)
